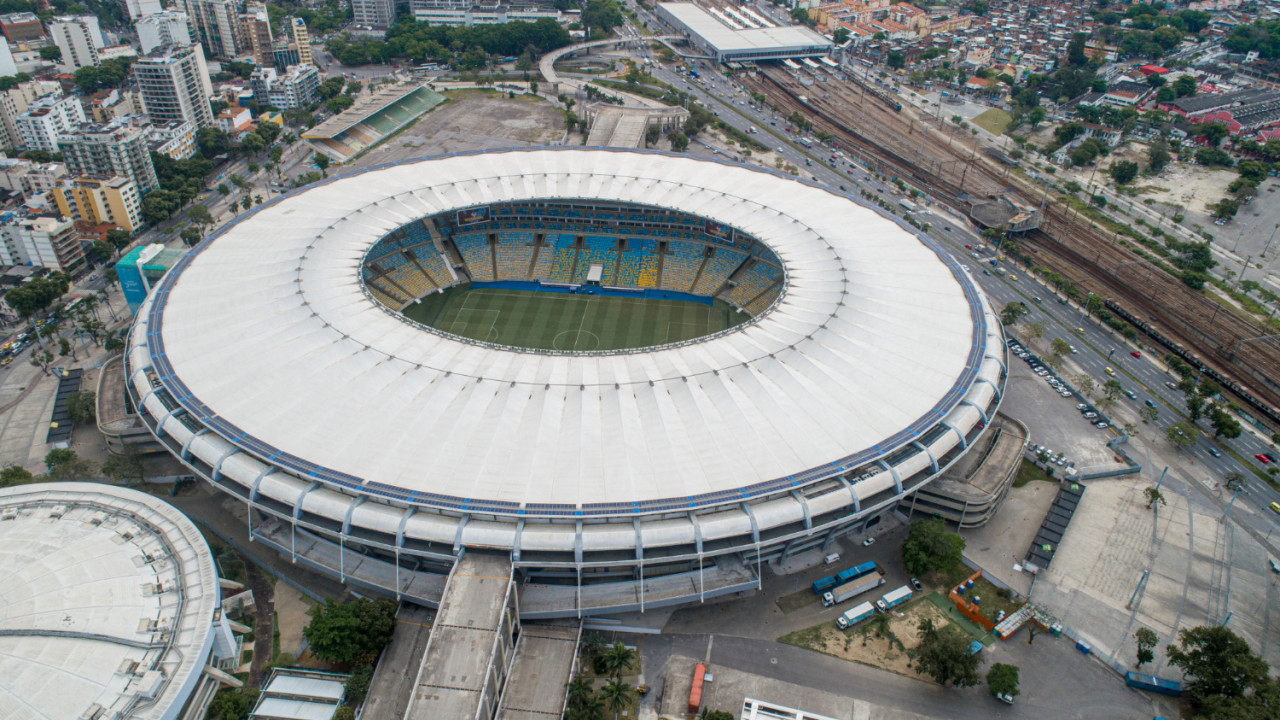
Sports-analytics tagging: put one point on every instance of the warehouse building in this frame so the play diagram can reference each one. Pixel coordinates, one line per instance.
(742, 38)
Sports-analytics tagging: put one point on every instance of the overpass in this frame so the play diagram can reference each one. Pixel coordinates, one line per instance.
(546, 66)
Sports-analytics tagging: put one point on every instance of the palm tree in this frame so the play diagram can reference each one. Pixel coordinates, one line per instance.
(106, 300)
(616, 659)
(591, 644)
(579, 690)
(616, 696)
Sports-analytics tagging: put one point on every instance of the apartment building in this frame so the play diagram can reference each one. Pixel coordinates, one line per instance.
(120, 147)
(297, 87)
(174, 85)
(98, 200)
(165, 28)
(43, 241)
(47, 120)
(79, 39)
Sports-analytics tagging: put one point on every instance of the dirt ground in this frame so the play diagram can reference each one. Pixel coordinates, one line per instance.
(469, 120)
(292, 614)
(860, 644)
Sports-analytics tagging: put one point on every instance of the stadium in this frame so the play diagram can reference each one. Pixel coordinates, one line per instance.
(111, 607)
(637, 375)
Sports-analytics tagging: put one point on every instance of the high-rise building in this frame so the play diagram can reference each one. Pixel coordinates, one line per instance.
(173, 84)
(7, 65)
(79, 39)
(217, 23)
(258, 27)
(120, 147)
(297, 87)
(140, 8)
(302, 39)
(47, 121)
(14, 102)
(99, 200)
(165, 28)
(45, 241)
(375, 14)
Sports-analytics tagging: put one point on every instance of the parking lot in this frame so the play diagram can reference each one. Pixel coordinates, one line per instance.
(1055, 417)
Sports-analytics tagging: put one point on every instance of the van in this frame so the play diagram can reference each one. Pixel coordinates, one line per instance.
(751, 129)
(1109, 371)
(831, 559)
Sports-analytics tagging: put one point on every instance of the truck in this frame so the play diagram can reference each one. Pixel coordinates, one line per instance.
(1154, 684)
(893, 599)
(855, 615)
(844, 576)
(907, 205)
(853, 588)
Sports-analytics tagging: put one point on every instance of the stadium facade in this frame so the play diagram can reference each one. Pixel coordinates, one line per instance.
(274, 361)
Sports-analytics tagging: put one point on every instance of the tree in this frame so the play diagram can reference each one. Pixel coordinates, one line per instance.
(232, 704)
(1224, 423)
(127, 467)
(344, 713)
(358, 683)
(943, 654)
(602, 15)
(190, 235)
(80, 405)
(252, 144)
(321, 161)
(100, 251)
(1124, 171)
(1184, 86)
(212, 142)
(1216, 661)
(1182, 435)
(119, 239)
(679, 141)
(1195, 406)
(1003, 679)
(1149, 414)
(578, 690)
(1147, 641)
(1154, 496)
(1157, 154)
(929, 547)
(64, 464)
(1010, 313)
(1112, 388)
(50, 52)
(352, 632)
(15, 475)
(615, 660)
(896, 60)
(616, 696)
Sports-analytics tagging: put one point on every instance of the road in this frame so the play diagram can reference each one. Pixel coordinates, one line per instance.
(1099, 347)
(1092, 689)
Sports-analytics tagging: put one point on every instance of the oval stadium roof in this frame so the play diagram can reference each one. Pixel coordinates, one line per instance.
(266, 334)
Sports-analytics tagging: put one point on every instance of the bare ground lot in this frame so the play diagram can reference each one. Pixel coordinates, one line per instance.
(863, 644)
(471, 120)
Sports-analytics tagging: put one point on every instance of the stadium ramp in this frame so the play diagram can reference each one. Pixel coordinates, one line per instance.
(469, 654)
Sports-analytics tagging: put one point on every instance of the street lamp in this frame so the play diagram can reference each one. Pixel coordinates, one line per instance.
(1084, 311)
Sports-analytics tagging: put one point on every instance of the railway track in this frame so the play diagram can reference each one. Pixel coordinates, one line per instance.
(950, 167)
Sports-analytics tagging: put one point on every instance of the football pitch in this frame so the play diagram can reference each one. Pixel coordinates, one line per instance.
(559, 321)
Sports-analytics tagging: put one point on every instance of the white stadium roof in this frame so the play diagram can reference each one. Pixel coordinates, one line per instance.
(108, 600)
(266, 335)
(726, 39)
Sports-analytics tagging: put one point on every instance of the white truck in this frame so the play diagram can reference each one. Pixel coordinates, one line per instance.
(853, 588)
(893, 598)
(855, 615)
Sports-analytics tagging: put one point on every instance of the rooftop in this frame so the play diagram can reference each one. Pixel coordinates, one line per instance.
(728, 39)
(108, 600)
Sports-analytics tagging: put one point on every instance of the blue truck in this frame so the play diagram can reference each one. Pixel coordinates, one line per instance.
(855, 615)
(842, 577)
(893, 599)
(1153, 684)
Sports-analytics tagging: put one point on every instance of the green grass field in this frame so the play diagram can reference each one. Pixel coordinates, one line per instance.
(994, 121)
(557, 321)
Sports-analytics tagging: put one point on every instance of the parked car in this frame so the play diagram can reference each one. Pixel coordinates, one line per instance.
(1101, 425)
(868, 542)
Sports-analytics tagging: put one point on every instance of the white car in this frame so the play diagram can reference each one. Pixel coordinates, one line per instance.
(868, 542)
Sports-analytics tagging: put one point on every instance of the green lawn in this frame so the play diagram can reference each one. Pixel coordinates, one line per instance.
(994, 121)
(1028, 472)
(558, 321)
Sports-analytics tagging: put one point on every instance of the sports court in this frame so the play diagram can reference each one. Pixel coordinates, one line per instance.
(560, 321)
